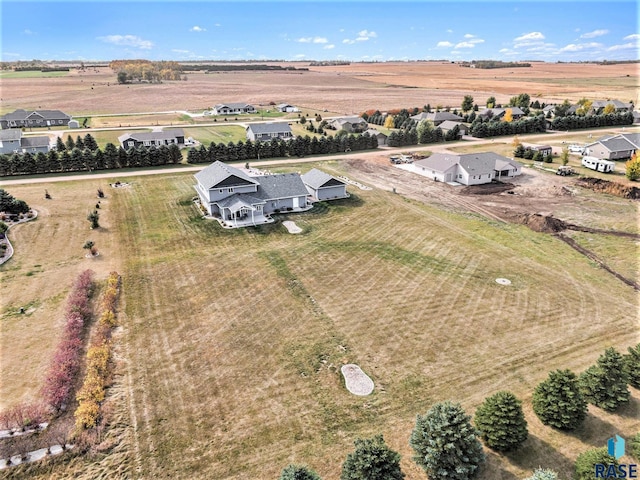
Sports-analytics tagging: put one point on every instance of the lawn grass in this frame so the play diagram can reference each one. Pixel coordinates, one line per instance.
(218, 134)
(231, 341)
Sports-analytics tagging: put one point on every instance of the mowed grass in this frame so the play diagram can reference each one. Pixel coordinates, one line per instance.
(232, 340)
(218, 134)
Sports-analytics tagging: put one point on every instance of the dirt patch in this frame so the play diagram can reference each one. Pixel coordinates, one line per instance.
(488, 188)
(612, 188)
(539, 222)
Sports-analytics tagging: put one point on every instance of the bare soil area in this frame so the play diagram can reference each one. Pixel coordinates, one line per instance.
(337, 89)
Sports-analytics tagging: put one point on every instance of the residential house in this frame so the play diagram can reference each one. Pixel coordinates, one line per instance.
(616, 147)
(636, 116)
(449, 125)
(437, 117)
(37, 118)
(268, 131)
(545, 150)
(322, 186)
(499, 113)
(381, 137)
(12, 141)
(148, 139)
(467, 169)
(350, 124)
(552, 108)
(237, 199)
(598, 106)
(233, 109)
(287, 108)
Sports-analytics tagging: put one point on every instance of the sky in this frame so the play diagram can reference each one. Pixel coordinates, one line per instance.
(304, 30)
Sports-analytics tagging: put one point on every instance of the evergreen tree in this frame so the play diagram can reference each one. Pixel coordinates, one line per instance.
(446, 444)
(632, 366)
(41, 163)
(70, 144)
(500, 422)
(634, 446)
(605, 383)
(79, 143)
(491, 102)
(175, 154)
(372, 459)
(111, 156)
(558, 402)
(541, 474)
(298, 472)
(467, 103)
(60, 146)
(586, 462)
(90, 142)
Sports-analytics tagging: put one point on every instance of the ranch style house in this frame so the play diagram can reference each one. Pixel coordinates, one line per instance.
(468, 169)
(12, 141)
(267, 131)
(616, 147)
(287, 108)
(148, 139)
(233, 109)
(350, 124)
(37, 118)
(437, 117)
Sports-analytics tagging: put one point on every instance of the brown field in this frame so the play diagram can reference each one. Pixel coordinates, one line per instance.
(341, 89)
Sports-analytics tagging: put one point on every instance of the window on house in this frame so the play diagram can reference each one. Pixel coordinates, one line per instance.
(130, 143)
(222, 190)
(230, 190)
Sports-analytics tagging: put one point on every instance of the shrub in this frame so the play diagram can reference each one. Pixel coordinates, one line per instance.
(500, 422)
(372, 458)
(558, 401)
(605, 383)
(446, 444)
(586, 461)
(634, 446)
(298, 472)
(541, 474)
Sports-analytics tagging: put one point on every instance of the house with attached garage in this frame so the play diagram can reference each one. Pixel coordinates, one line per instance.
(467, 169)
(264, 132)
(499, 113)
(152, 139)
(236, 199)
(437, 117)
(37, 118)
(616, 147)
(12, 141)
(233, 109)
(287, 108)
(350, 124)
(598, 106)
(450, 125)
(322, 186)
(381, 137)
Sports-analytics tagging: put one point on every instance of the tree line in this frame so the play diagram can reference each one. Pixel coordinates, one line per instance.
(145, 70)
(276, 147)
(84, 155)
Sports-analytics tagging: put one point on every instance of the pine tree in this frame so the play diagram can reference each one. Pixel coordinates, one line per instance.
(371, 459)
(298, 472)
(500, 422)
(605, 383)
(558, 401)
(541, 474)
(446, 444)
(632, 366)
(586, 461)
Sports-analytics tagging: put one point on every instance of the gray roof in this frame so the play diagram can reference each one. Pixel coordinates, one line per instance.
(616, 103)
(238, 200)
(472, 163)
(351, 120)
(259, 128)
(46, 114)
(499, 111)
(617, 143)
(317, 178)
(439, 162)
(449, 124)
(10, 134)
(437, 116)
(285, 185)
(374, 133)
(144, 136)
(233, 105)
(218, 172)
(34, 142)
(633, 138)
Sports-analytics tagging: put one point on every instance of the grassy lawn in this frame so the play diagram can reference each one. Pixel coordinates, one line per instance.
(31, 74)
(166, 119)
(217, 134)
(231, 341)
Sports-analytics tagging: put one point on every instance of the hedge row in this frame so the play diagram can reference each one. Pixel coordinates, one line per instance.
(99, 354)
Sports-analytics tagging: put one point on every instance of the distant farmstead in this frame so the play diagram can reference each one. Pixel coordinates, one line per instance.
(233, 109)
(152, 139)
(35, 118)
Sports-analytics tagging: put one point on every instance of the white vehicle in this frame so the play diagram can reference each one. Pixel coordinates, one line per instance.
(576, 149)
(598, 164)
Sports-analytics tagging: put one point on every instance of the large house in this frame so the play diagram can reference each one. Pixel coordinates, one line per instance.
(598, 106)
(148, 139)
(350, 124)
(467, 169)
(233, 109)
(268, 131)
(12, 141)
(450, 125)
(37, 118)
(437, 117)
(499, 113)
(616, 147)
(237, 199)
(322, 186)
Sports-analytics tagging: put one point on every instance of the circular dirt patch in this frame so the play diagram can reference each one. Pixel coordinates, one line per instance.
(356, 380)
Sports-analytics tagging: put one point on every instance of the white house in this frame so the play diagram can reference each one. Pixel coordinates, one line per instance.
(232, 109)
(287, 108)
(268, 131)
(467, 169)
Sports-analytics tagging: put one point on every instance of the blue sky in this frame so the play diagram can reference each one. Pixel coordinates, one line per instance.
(561, 30)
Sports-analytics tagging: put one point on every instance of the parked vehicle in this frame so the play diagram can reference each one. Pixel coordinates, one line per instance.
(598, 164)
(565, 170)
(576, 149)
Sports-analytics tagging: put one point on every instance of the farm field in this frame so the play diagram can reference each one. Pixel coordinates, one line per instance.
(338, 89)
(231, 341)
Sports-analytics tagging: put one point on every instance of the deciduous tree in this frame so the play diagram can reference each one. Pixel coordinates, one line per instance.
(467, 103)
(632, 167)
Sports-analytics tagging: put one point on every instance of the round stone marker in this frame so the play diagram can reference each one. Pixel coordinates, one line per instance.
(503, 281)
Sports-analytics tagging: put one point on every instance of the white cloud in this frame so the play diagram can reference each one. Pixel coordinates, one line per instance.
(217, 25)
(348, 41)
(177, 50)
(28, 32)
(10, 54)
(363, 36)
(573, 47)
(530, 36)
(468, 35)
(449, 30)
(312, 40)
(594, 34)
(633, 36)
(476, 40)
(196, 28)
(127, 41)
(329, 47)
(300, 55)
(367, 33)
(625, 46)
(464, 45)
(444, 44)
